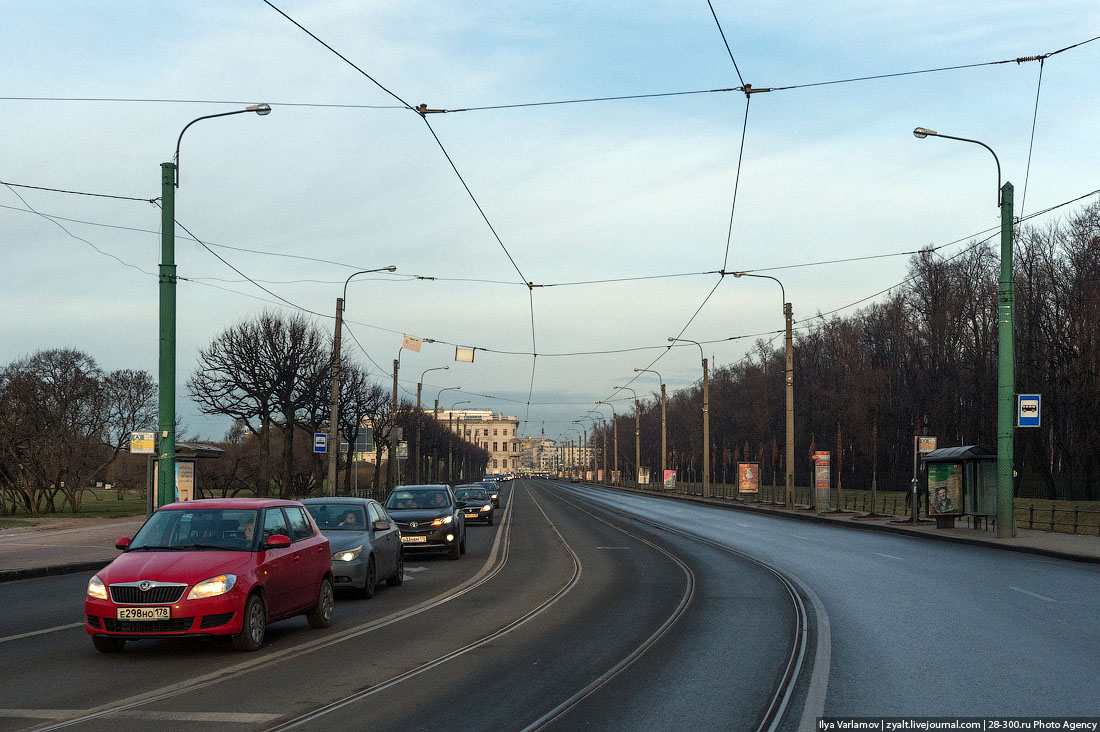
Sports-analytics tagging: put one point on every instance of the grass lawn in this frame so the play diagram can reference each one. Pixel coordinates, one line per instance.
(96, 504)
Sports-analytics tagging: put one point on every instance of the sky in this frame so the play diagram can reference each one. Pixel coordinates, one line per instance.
(493, 211)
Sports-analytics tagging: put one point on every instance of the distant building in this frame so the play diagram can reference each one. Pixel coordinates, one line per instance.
(493, 432)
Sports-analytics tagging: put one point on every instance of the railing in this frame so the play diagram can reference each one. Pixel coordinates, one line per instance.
(1060, 518)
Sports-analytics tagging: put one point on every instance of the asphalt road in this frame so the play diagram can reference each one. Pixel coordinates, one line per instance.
(569, 614)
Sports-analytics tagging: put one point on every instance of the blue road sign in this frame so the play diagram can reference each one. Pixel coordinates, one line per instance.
(320, 442)
(1027, 410)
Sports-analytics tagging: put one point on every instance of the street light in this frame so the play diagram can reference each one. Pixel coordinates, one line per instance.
(706, 418)
(334, 407)
(451, 442)
(419, 386)
(788, 314)
(1006, 374)
(637, 441)
(663, 448)
(166, 385)
(615, 435)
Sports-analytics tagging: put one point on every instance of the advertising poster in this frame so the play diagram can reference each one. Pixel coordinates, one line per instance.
(748, 478)
(643, 476)
(822, 481)
(185, 481)
(945, 496)
(670, 480)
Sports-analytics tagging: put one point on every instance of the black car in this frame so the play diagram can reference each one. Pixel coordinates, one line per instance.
(489, 485)
(429, 517)
(479, 503)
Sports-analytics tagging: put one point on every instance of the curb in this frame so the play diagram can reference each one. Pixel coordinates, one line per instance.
(881, 528)
(13, 575)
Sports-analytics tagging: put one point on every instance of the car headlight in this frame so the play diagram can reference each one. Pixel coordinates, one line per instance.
(444, 520)
(96, 588)
(213, 587)
(347, 556)
(488, 507)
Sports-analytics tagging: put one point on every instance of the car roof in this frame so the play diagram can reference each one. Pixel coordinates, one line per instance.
(230, 503)
(332, 500)
(420, 487)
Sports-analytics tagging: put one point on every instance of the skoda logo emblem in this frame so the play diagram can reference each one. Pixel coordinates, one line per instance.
(145, 585)
(414, 524)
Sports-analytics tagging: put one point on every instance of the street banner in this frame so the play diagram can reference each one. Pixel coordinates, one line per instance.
(464, 355)
(412, 344)
(822, 481)
(670, 480)
(143, 443)
(748, 478)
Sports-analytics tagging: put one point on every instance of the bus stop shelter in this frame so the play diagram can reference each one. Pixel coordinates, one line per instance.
(962, 481)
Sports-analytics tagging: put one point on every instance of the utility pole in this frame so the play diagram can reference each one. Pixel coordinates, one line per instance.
(334, 406)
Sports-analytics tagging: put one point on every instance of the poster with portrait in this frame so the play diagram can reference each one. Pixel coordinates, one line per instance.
(945, 495)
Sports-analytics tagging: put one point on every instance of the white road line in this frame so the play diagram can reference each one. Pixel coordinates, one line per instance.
(238, 717)
(612, 547)
(890, 556)
(414, 570)
(1033, 594)
(40, 632)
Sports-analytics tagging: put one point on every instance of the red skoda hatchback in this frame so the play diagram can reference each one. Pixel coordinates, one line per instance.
(224, 567)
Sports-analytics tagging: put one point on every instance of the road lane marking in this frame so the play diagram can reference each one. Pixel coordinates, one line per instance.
(40, 632)
(415, 569)
(612, 547)
(1033, 594)
(890, 556)
(747, 526)
(238, 717)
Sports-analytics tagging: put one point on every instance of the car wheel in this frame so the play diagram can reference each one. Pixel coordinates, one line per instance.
(321, 614)
(106, 644)
(371, 582)
(251, 636)
(462, 544)
(454, 552)
(399, 573)
(489, 520)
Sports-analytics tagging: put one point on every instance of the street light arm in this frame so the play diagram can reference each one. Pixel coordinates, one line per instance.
(260, 109)
(782, 290)
(390, 268)
(922, 132)
(688, 340)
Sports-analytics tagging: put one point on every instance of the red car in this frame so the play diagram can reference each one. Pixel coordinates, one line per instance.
(218, 567)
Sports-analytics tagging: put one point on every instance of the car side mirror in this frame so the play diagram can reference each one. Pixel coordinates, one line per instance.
(382, 526)
(460, 504)
(277, 541)
(123, 543)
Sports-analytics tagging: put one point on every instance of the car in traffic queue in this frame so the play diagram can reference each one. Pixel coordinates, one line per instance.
(479, 503)
(489, 485)
(212, 567)
(365, 542)
(430, 518)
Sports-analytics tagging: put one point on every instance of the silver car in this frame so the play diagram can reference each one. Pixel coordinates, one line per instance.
(365, 542)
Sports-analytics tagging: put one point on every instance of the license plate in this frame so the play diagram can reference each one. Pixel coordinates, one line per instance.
(414, 539)
(143, 613)
(471, 515)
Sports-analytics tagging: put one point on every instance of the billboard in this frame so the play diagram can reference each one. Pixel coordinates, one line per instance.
(670, 479)
(748, 478)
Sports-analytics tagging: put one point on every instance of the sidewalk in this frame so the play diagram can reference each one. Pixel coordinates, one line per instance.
(61, 546)
(1072, 547)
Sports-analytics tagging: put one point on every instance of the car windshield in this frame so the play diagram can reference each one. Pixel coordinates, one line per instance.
(198, 529)
(402, 499)
(471, 495)
(338, 516)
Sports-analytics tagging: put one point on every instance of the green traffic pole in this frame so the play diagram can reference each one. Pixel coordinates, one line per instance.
(1006, 374)
(166, 453)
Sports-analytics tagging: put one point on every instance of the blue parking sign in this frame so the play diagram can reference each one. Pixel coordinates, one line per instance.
(1027, 410)
(320, 442)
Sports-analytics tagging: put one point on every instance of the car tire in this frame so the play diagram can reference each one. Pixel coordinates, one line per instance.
(253, 625)
(321, 614)
(489, 520)
(454, 552)
(399, 573)
(462, 543)
(106, 644)
(367, 591)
